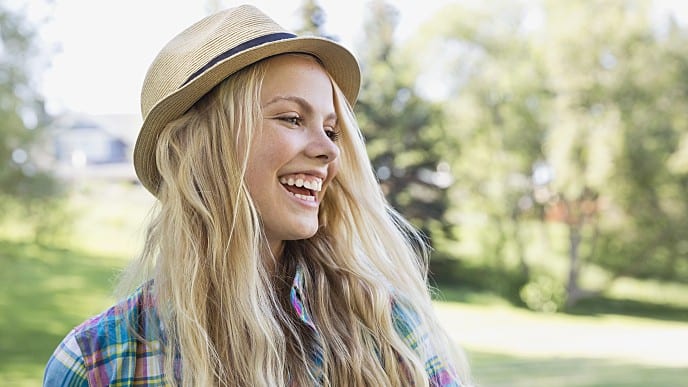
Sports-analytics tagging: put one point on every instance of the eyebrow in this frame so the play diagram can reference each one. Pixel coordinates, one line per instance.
(303, 104)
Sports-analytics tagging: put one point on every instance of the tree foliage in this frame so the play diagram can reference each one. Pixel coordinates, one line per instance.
(571, 114)
(25, 185)
(405, 136)
(650, 182)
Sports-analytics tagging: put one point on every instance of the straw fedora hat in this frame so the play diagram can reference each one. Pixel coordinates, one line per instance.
(206, 53)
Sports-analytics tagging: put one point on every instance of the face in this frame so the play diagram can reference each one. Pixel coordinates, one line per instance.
(294, 155)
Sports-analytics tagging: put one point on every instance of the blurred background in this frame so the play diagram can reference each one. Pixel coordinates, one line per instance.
(541, 145)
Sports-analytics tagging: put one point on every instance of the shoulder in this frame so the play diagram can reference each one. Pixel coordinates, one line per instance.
(117, 325)
(66, 365)
(104, 344)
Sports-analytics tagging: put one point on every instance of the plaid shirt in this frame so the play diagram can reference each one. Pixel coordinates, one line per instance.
(103, 351)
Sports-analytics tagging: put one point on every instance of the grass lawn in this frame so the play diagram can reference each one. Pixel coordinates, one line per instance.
(44, 292)
(47, 290)
(497, 370)
(513, 347)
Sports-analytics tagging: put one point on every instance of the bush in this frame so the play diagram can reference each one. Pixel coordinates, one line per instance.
(456, 273)
(543, 294)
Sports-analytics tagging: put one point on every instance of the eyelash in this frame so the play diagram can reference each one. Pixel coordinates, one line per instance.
(298, 121)
(333, 135)
(292, 120)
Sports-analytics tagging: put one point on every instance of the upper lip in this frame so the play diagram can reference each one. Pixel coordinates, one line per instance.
(316, 173)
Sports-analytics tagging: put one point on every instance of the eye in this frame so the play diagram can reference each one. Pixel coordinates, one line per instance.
(332, 134)
(292, 120)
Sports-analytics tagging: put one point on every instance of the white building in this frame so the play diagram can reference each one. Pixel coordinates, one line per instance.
(94, 147)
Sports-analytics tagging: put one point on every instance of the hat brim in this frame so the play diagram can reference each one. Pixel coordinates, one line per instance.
(337, 60)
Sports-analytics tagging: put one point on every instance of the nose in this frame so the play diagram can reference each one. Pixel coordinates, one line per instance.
(321, 146)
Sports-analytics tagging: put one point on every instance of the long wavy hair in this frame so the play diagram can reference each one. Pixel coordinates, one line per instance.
(223, 299)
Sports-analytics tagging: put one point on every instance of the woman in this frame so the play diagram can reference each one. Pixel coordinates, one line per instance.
(273, 259)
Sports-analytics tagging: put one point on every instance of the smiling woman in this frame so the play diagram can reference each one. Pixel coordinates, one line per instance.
(274, 259)
(294, 150)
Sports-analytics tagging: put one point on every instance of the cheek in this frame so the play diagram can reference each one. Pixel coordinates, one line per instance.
(269, 153)
(257, 169)
(332, 170)
(262, 151)
(272, 145)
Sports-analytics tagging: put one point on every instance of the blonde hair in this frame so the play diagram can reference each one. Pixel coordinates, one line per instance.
(222, 297)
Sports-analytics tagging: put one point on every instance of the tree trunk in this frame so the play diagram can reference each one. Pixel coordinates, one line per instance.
(573, 291)
(520, 246)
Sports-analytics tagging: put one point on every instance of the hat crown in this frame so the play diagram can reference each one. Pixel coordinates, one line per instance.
(198, 45)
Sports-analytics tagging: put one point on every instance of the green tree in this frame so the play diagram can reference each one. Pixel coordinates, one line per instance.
(484, 65)
(405, 137)
(25, 186)
(577, 120)
(620, 110)
(651, 179)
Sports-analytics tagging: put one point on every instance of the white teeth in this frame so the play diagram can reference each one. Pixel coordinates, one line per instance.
(315, 184)
(305, 197)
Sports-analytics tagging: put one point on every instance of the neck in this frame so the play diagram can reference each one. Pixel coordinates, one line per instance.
(276, 249)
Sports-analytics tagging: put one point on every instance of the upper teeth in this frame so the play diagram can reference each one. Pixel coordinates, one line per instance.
(312, 183)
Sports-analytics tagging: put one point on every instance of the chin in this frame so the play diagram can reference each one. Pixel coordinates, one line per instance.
(306, 233)
(293, 231)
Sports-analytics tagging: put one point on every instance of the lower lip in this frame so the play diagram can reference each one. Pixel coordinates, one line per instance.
(306, 203)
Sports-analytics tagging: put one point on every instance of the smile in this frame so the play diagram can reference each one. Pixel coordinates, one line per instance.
(302, 186)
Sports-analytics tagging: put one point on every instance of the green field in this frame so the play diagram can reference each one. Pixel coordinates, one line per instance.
(47, 289)
(513, 347)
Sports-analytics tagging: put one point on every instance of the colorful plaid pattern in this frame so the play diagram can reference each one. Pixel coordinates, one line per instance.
(316, 372)
(409, 328)
(103, 351)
